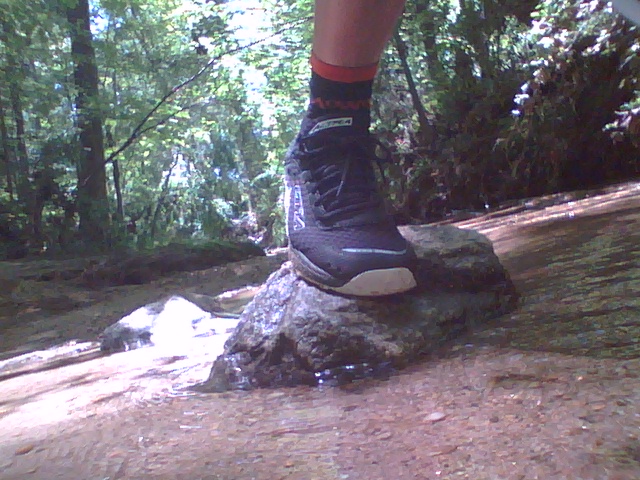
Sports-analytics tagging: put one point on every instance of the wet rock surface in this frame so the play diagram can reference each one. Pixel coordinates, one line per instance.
(294, 333)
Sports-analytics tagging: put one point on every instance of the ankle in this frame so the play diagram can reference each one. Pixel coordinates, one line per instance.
(337, 90)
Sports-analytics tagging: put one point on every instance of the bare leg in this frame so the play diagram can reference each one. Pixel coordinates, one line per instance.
(353, 33)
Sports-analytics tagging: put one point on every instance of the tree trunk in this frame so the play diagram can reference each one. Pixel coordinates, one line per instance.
(6, 153)
(249, 158)
(92, 185)
(480, 25)
(118, 190)
(427, 134)
(159, 204)
(116, 165)
(428, 29)
(14, 74)
(24, 187)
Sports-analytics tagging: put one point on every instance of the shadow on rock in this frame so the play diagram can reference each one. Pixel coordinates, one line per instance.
(293, 333)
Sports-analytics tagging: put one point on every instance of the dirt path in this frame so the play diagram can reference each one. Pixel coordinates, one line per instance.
(551, 391)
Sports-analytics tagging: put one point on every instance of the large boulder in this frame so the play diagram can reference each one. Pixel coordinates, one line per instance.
(294, 333)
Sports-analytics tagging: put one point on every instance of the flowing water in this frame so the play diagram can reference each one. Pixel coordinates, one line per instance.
(551, 390)
(577, 266)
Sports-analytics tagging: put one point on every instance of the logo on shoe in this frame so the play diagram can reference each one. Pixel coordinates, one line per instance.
(331, 123)
(298, 209)
(295, 208)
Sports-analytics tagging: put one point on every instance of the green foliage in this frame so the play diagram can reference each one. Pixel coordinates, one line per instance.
(570, 124)
(467, 60)
(570, 67)
(198, 122)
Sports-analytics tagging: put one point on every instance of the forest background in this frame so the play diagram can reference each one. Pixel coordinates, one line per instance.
(131, 124)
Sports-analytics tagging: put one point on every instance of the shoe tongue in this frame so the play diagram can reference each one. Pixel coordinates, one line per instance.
(363, 203)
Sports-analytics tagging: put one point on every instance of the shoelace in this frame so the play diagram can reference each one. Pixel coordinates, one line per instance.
(342, 173)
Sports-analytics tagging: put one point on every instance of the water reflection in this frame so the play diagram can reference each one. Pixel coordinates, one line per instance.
(578, 275)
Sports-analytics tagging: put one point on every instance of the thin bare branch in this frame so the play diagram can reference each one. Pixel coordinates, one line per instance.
(142, 127)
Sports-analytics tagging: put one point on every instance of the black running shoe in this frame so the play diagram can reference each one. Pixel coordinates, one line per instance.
(340, 236)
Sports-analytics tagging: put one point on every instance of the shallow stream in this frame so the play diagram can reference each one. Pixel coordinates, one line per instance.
(549, 391)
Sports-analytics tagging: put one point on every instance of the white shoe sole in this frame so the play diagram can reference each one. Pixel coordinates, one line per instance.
(376, 283)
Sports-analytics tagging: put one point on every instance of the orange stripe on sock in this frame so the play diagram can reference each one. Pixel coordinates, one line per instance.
(337, 73)
(341, 104)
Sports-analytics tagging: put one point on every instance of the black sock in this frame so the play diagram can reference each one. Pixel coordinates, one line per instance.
(330, 97)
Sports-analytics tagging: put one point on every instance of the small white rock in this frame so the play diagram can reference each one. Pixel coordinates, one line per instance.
(436, 417)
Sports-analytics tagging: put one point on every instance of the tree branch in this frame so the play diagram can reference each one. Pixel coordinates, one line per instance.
(167, 118)
(140, 129)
